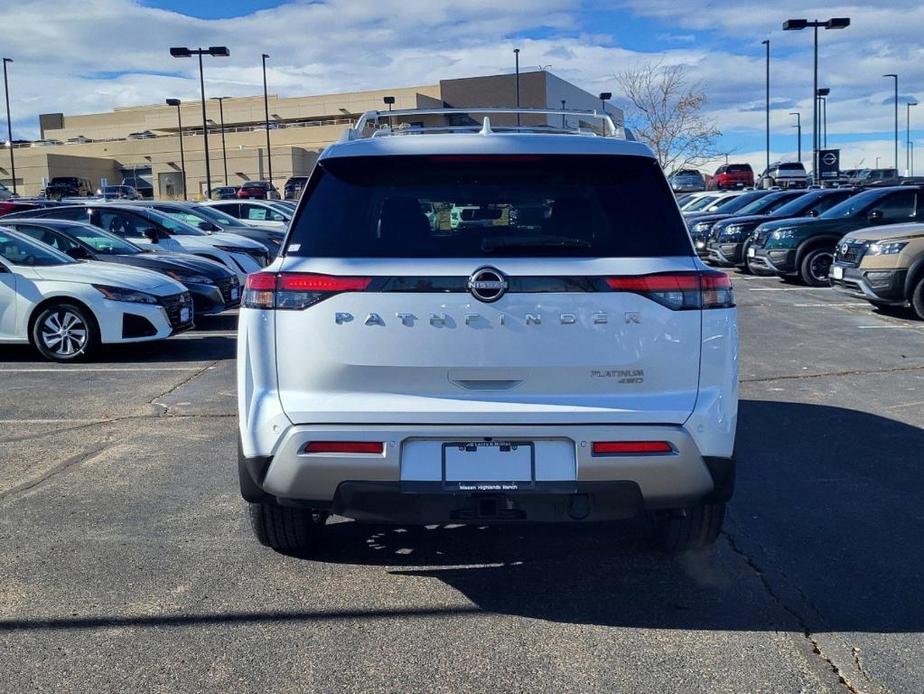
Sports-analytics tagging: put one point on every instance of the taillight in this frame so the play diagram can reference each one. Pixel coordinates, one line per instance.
(364, 447)
(296, 290)
(602, 448)
(679, 291)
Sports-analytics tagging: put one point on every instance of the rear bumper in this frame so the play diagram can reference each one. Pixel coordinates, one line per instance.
(405, 483)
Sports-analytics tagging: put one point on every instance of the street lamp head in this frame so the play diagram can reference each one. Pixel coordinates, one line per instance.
(180, 52)
(838, 23)
(605, 96)
(173, 102)
(219, 51)
(517, 51)
(7, 60)
(891, 74)
(765, 42)
(795, 24)
(265, 56)
(824, 91)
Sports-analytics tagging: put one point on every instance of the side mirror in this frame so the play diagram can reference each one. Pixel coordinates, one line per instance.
(874, 216)
(813, 212)
(209, 226)
(78, 253)
(152, 235)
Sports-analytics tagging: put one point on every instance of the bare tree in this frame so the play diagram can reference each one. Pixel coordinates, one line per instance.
(666, 113)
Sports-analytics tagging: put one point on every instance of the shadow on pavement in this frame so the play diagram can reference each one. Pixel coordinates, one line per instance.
(828, 503)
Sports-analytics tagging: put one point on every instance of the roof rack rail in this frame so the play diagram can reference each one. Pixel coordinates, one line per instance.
(460, 120)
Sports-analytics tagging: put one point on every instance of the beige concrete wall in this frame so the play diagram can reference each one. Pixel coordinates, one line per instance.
(46, 165)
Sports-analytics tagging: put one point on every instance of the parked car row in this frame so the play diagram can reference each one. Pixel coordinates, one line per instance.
(85, 272)
(868, 243)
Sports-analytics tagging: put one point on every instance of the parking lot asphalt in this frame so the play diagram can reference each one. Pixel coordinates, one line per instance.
(126, 563)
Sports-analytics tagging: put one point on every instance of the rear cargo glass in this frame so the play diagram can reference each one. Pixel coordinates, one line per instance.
(738, 168)
(461, 206)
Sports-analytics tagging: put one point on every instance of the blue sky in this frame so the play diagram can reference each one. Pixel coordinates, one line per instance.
(114, 52)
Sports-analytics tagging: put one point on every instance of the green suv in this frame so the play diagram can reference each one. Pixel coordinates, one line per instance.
(883, 265)
(804, 248)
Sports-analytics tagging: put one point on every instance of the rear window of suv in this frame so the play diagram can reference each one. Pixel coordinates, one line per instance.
(461, 206)
(738, 168)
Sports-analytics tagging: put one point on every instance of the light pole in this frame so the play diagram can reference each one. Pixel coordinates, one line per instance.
(516, 58)
(179, 125)
(895, 77)
(9, 123)
(766, 43)
(389, 101)
(269, 154)
(821, 95)
(797, 25)
(798, 127)
(908, 106)
(218, 52)
(563, 114)
(221, 120)
(604, 97)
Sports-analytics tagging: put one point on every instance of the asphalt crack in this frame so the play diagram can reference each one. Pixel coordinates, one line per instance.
(807, 632)
(829, 374)
(61, 467)
(165, 409)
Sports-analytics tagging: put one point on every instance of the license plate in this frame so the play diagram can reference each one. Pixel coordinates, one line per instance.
(184, 315)
(488, 465)
(752, 252)
(234, 293)
(837, 272)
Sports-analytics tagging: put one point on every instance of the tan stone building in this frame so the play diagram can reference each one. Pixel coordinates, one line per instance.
(142, 142)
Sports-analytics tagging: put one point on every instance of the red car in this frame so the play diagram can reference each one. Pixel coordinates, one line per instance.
(261, 190)
(731, 176)
(11, 206)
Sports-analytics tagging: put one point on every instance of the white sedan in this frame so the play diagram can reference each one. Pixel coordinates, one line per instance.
(66, 308)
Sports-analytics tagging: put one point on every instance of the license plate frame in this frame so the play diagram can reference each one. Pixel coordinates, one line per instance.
(837, 272)
(491, 471)
(752, 252)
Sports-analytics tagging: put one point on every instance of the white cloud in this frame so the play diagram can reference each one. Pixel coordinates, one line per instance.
(344, 45)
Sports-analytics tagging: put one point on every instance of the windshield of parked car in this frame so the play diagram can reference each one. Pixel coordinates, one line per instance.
(737, 203)
(477, 206)
(819, 201)
(282, 208)
(102, 242)
(221, 218)
(20, 250)
(853, 206)
(175, 226)
(766, 204)
(700, 203)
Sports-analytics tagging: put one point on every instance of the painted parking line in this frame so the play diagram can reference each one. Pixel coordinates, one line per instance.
(205, 333)
(94, 369)
(788, 289)
(828, 305)
(886, 327)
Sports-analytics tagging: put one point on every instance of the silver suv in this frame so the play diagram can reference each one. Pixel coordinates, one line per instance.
(487, 322)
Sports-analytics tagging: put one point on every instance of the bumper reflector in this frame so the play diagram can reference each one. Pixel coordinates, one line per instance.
(365, 447)
(631, 447)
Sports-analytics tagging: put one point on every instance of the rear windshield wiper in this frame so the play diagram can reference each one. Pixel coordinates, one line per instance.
(502, 242)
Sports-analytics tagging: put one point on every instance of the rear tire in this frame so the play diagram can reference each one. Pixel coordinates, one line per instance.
(693, 528)
(285, 529)
(815, 267)
(917, 299)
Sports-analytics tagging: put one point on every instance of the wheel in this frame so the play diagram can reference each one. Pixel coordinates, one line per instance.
(286, 529)
(917, 299)
(65, 332)
(815, 267)
(697, 527)
(746, 267)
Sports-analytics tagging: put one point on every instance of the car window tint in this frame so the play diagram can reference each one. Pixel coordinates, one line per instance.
(47, 236)
(120, 224)
(29, 253)
(449, 206)
(898, 206)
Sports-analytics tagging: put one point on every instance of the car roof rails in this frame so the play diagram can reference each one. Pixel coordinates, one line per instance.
(591, 123)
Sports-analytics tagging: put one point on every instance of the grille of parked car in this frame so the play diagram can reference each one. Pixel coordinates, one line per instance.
(174, 305)
(225, 286)
(851, 252)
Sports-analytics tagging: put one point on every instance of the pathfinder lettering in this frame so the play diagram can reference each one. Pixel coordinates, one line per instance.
(442, 320)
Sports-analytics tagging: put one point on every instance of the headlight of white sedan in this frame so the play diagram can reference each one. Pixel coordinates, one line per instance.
(123, 294)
